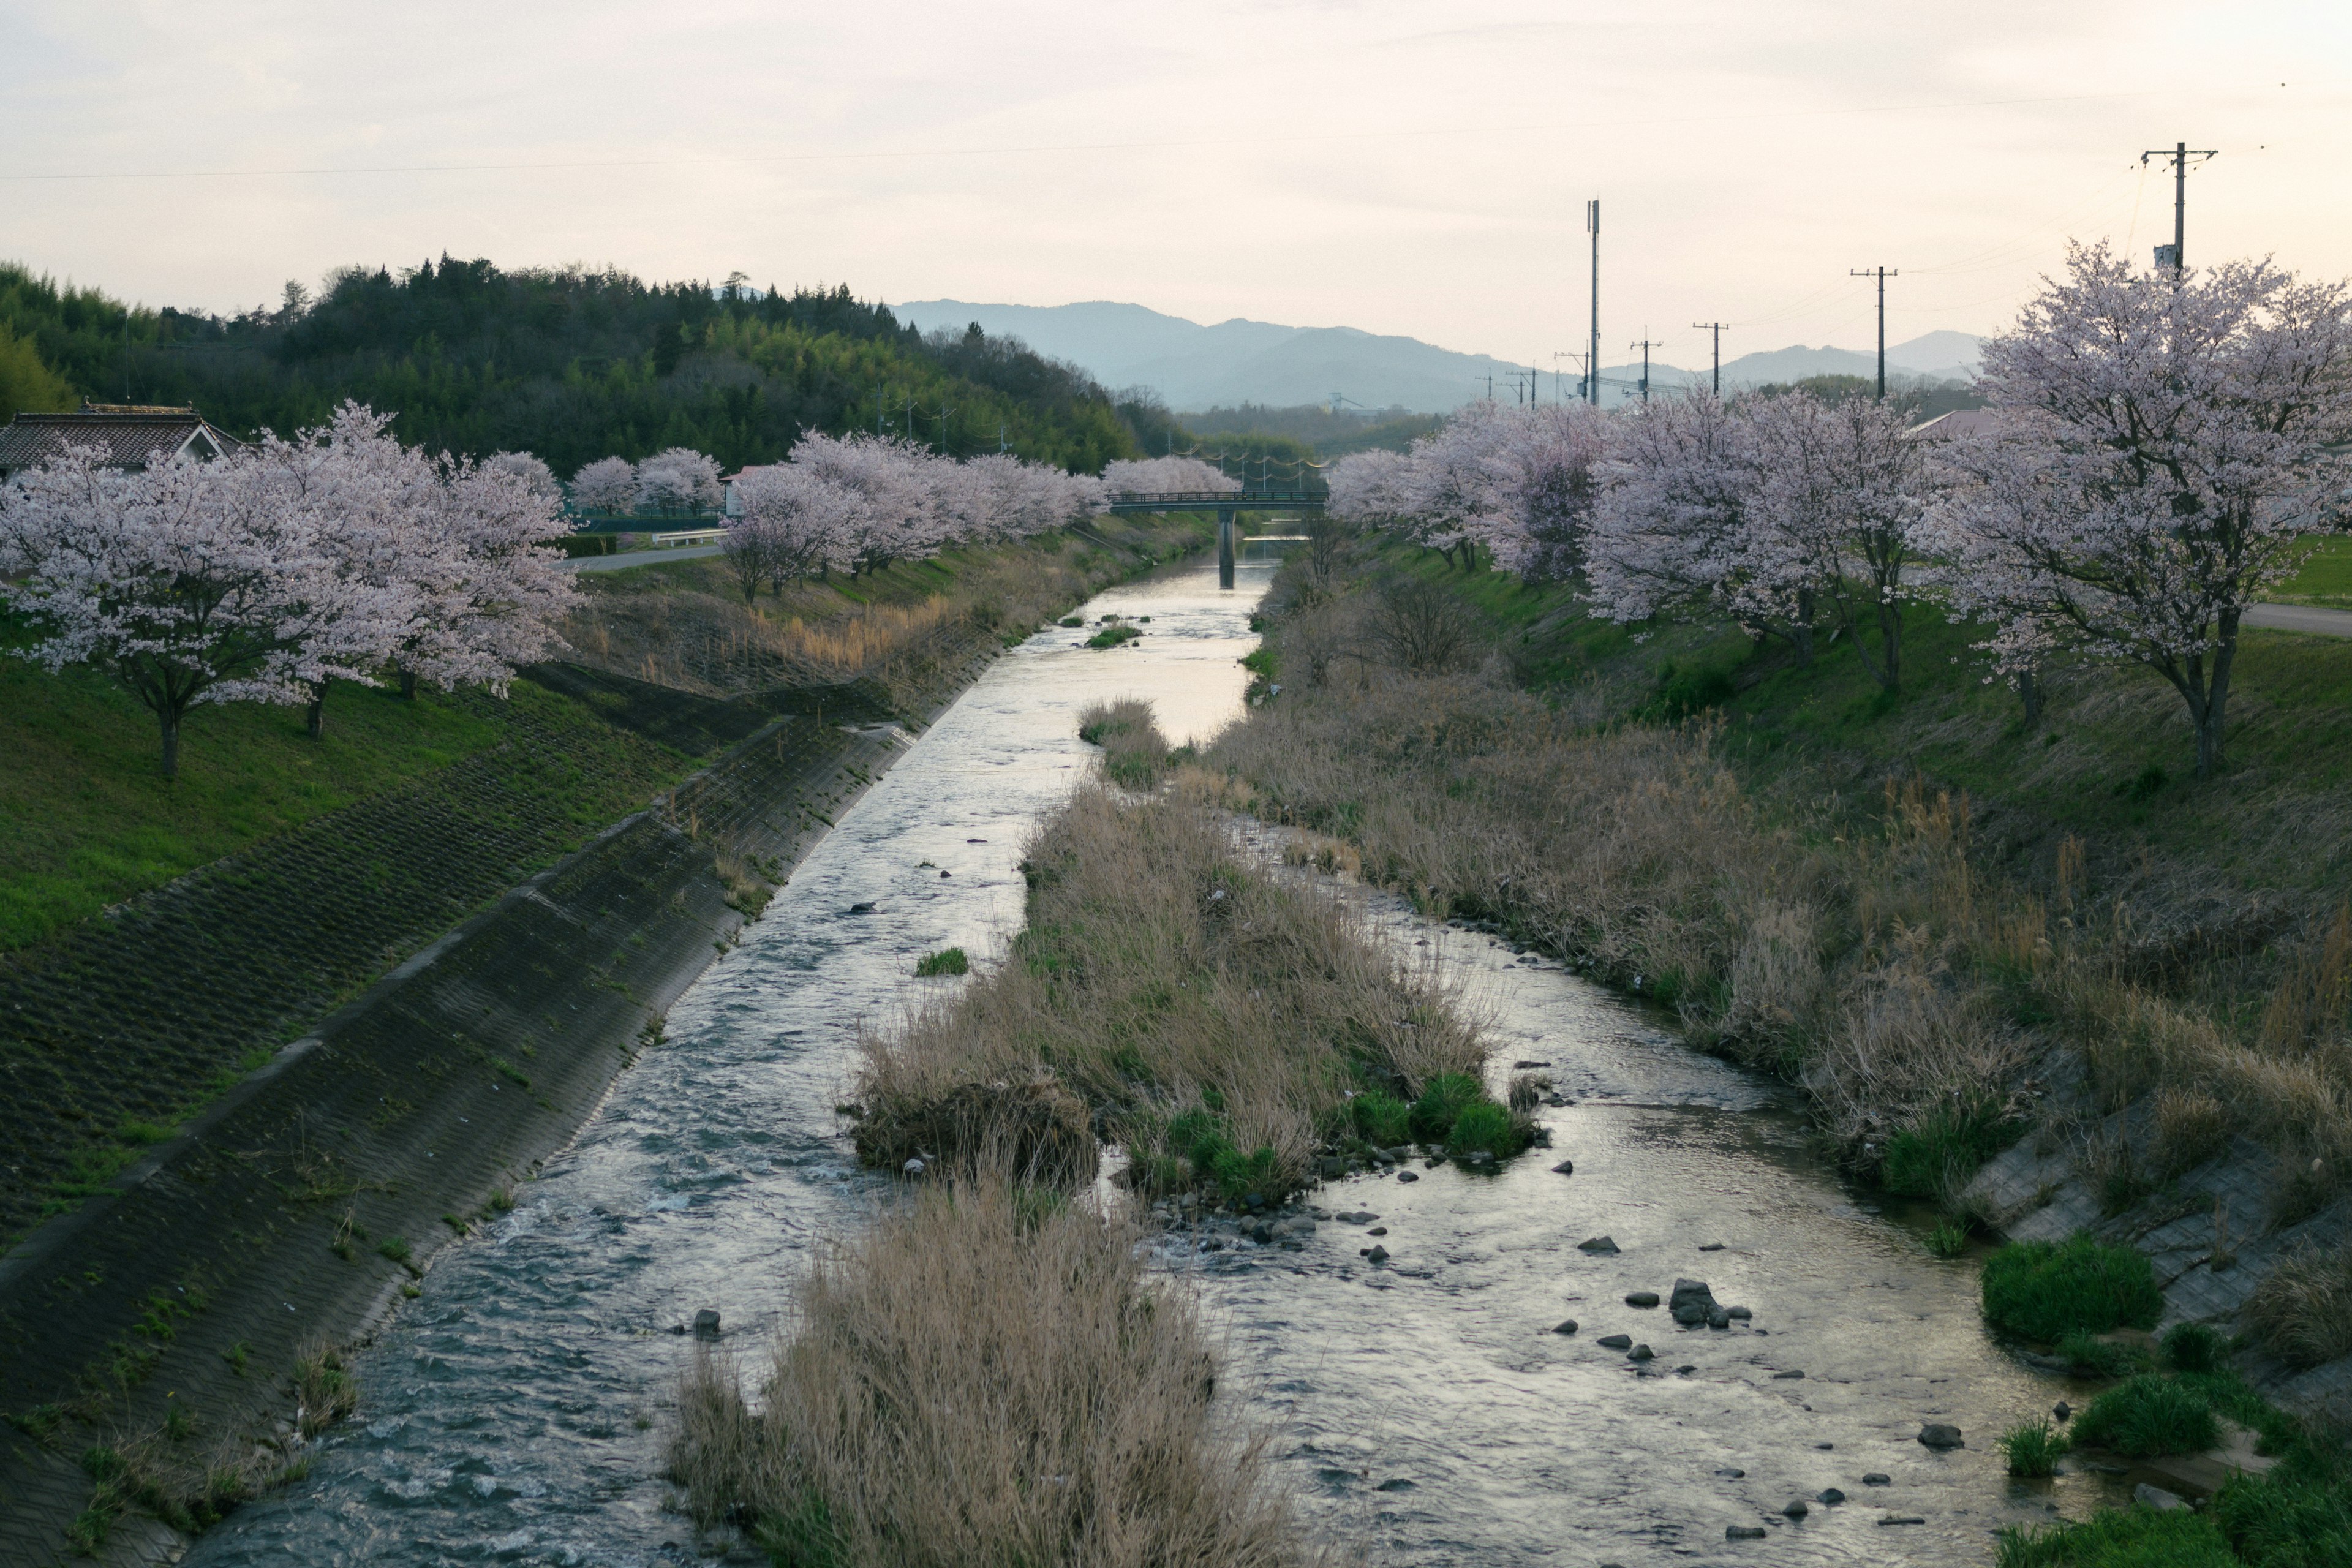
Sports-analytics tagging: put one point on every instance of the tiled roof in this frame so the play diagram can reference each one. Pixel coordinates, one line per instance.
(129, 439)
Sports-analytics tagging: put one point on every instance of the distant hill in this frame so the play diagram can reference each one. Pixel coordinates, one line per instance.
(1238, 362)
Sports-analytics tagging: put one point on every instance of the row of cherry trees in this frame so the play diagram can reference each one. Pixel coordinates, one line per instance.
(2159, 451)
(270, 573)
(856, 503)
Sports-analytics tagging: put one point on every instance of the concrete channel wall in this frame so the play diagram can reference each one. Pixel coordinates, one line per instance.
(291, 1215)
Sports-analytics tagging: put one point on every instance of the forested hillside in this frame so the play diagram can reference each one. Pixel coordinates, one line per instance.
(571, 365)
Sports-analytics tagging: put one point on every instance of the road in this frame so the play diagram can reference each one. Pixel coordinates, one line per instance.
(2300, 618)
(655, 558)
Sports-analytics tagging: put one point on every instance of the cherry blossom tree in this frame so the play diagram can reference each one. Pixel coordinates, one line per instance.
(479, 555)
(892, 510)
(608, 485)
(2161, 443)
(1678, 488)
(535, 475)
(1165, 475)
(677, 479)
(177, 580)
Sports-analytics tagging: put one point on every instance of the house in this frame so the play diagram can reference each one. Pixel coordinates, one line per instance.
(130, 435)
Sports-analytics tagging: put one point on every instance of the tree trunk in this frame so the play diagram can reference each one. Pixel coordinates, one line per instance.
(1802, 634)
(1890, 642)
(408, 684)
(2028, 690)
(170, 749)
(315, 720)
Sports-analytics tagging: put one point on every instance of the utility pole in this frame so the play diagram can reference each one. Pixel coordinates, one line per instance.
(2180, 153)
(944, 412)
(1003, 446)
(1592, 355)
(1645, 345)
(1716, 328)
(1882, 273)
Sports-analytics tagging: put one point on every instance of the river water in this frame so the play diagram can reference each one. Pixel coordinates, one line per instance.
(516, 1412)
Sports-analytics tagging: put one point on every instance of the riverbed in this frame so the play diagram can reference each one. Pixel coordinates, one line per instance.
(516, 1411)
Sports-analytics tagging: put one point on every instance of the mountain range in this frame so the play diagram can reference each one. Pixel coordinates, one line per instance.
(1194, 366)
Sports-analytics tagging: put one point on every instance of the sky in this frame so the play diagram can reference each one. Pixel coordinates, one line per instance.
(1408, 168)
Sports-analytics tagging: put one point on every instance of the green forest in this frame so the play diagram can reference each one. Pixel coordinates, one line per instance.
(571, 365)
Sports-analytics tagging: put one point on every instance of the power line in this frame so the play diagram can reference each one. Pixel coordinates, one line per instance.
(1645, 345)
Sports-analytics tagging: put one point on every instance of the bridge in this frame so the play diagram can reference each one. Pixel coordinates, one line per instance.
(1225, 504)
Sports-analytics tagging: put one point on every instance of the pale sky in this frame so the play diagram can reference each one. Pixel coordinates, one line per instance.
(1418, 169)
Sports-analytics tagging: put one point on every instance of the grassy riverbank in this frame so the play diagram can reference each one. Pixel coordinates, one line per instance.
(1950, 928)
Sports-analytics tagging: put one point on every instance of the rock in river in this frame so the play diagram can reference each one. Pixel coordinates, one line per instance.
(1408, 1175)
(1743, 1533)
(706, 1324)
(1596, 1244)
(1378, 1254)
(1877, 1479)
(1641, 1299)
(1616, 1342)
(1565, 1168)
(1640, 1353)
(1936, 1434)
(1830, 1496)
(1796, 1508)
(1565, 1326)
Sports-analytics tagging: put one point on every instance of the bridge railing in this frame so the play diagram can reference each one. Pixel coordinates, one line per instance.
(1186, 500)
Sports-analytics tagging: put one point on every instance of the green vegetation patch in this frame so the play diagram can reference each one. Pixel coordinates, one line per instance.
(947, 961)
(2120, 1538)
(1112, 636)
(2149, 1415)
(1936, 1157)
(2033, 1450)
(2045, 1290)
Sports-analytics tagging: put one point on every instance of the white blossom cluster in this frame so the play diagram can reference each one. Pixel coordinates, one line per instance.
(1517, 482)
(266, 574)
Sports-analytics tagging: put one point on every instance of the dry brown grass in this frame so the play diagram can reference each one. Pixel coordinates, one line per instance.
(2303, 1311)
(1162, 977)
(1867, 954)
(1135, 753)
(983, 1379)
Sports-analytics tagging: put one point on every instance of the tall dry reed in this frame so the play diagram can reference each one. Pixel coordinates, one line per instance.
(985, 1379)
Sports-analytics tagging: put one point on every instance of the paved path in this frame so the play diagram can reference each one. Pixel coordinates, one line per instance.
(2300, 618)
(656, 557)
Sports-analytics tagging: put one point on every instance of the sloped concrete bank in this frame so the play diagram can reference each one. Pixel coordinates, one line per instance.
(150, 1344)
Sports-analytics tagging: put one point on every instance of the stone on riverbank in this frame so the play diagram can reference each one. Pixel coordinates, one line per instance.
(1743, 1533)
(1408, 1175)
(1615, 1341)
(1939, 1435)
(706, 1324)
(1565, 1326)
(1829, 1496)
(1877, 1479)
(1565, 1168)
(1596, 1244)
(1641, 1299)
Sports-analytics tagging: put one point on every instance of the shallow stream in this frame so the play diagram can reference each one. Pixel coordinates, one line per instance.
(516, 1412)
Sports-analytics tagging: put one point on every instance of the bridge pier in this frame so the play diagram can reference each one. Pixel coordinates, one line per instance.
(1224, 547)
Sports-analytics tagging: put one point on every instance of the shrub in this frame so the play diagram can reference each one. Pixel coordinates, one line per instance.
(1443, 1098)
(947, 961)
(2093, 1357)
(1487, 1128)
(325, 1387)
(2044, 1290)
(2303, 1311)
(394, 1247)
(2033, 1450)
(2151, 1414)
(1949, 1240)
(1112, 637)
(1381, 1119)
(1935, 1157)
(1034, 1131)
(2194, 1347)
(2119, 1538)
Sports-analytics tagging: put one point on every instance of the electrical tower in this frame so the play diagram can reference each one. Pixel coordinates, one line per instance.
(2180, 153)
(1716, 328)
(1882, 273)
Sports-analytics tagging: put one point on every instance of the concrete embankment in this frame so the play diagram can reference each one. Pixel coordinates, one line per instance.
(165, 1323)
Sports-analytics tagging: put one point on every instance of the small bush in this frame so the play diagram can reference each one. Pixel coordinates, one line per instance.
(2093, 1357)
(2033, 1450)
(1685, 692)
(1381, 1119)
(2191, 1128)
(1949, 1240)
(2045, 1290)
(1073, 621)
(2149, 1415)
(2194, 1347)
(1112, 637)
(1936, 1158)
(1443, 1098)
(1487, 1128)
(394, 1247)
(326, 1389)
(2303, 1311)
(947, 961)
(2119, 1538)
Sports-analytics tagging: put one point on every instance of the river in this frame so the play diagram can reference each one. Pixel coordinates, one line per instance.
(516, 1411)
